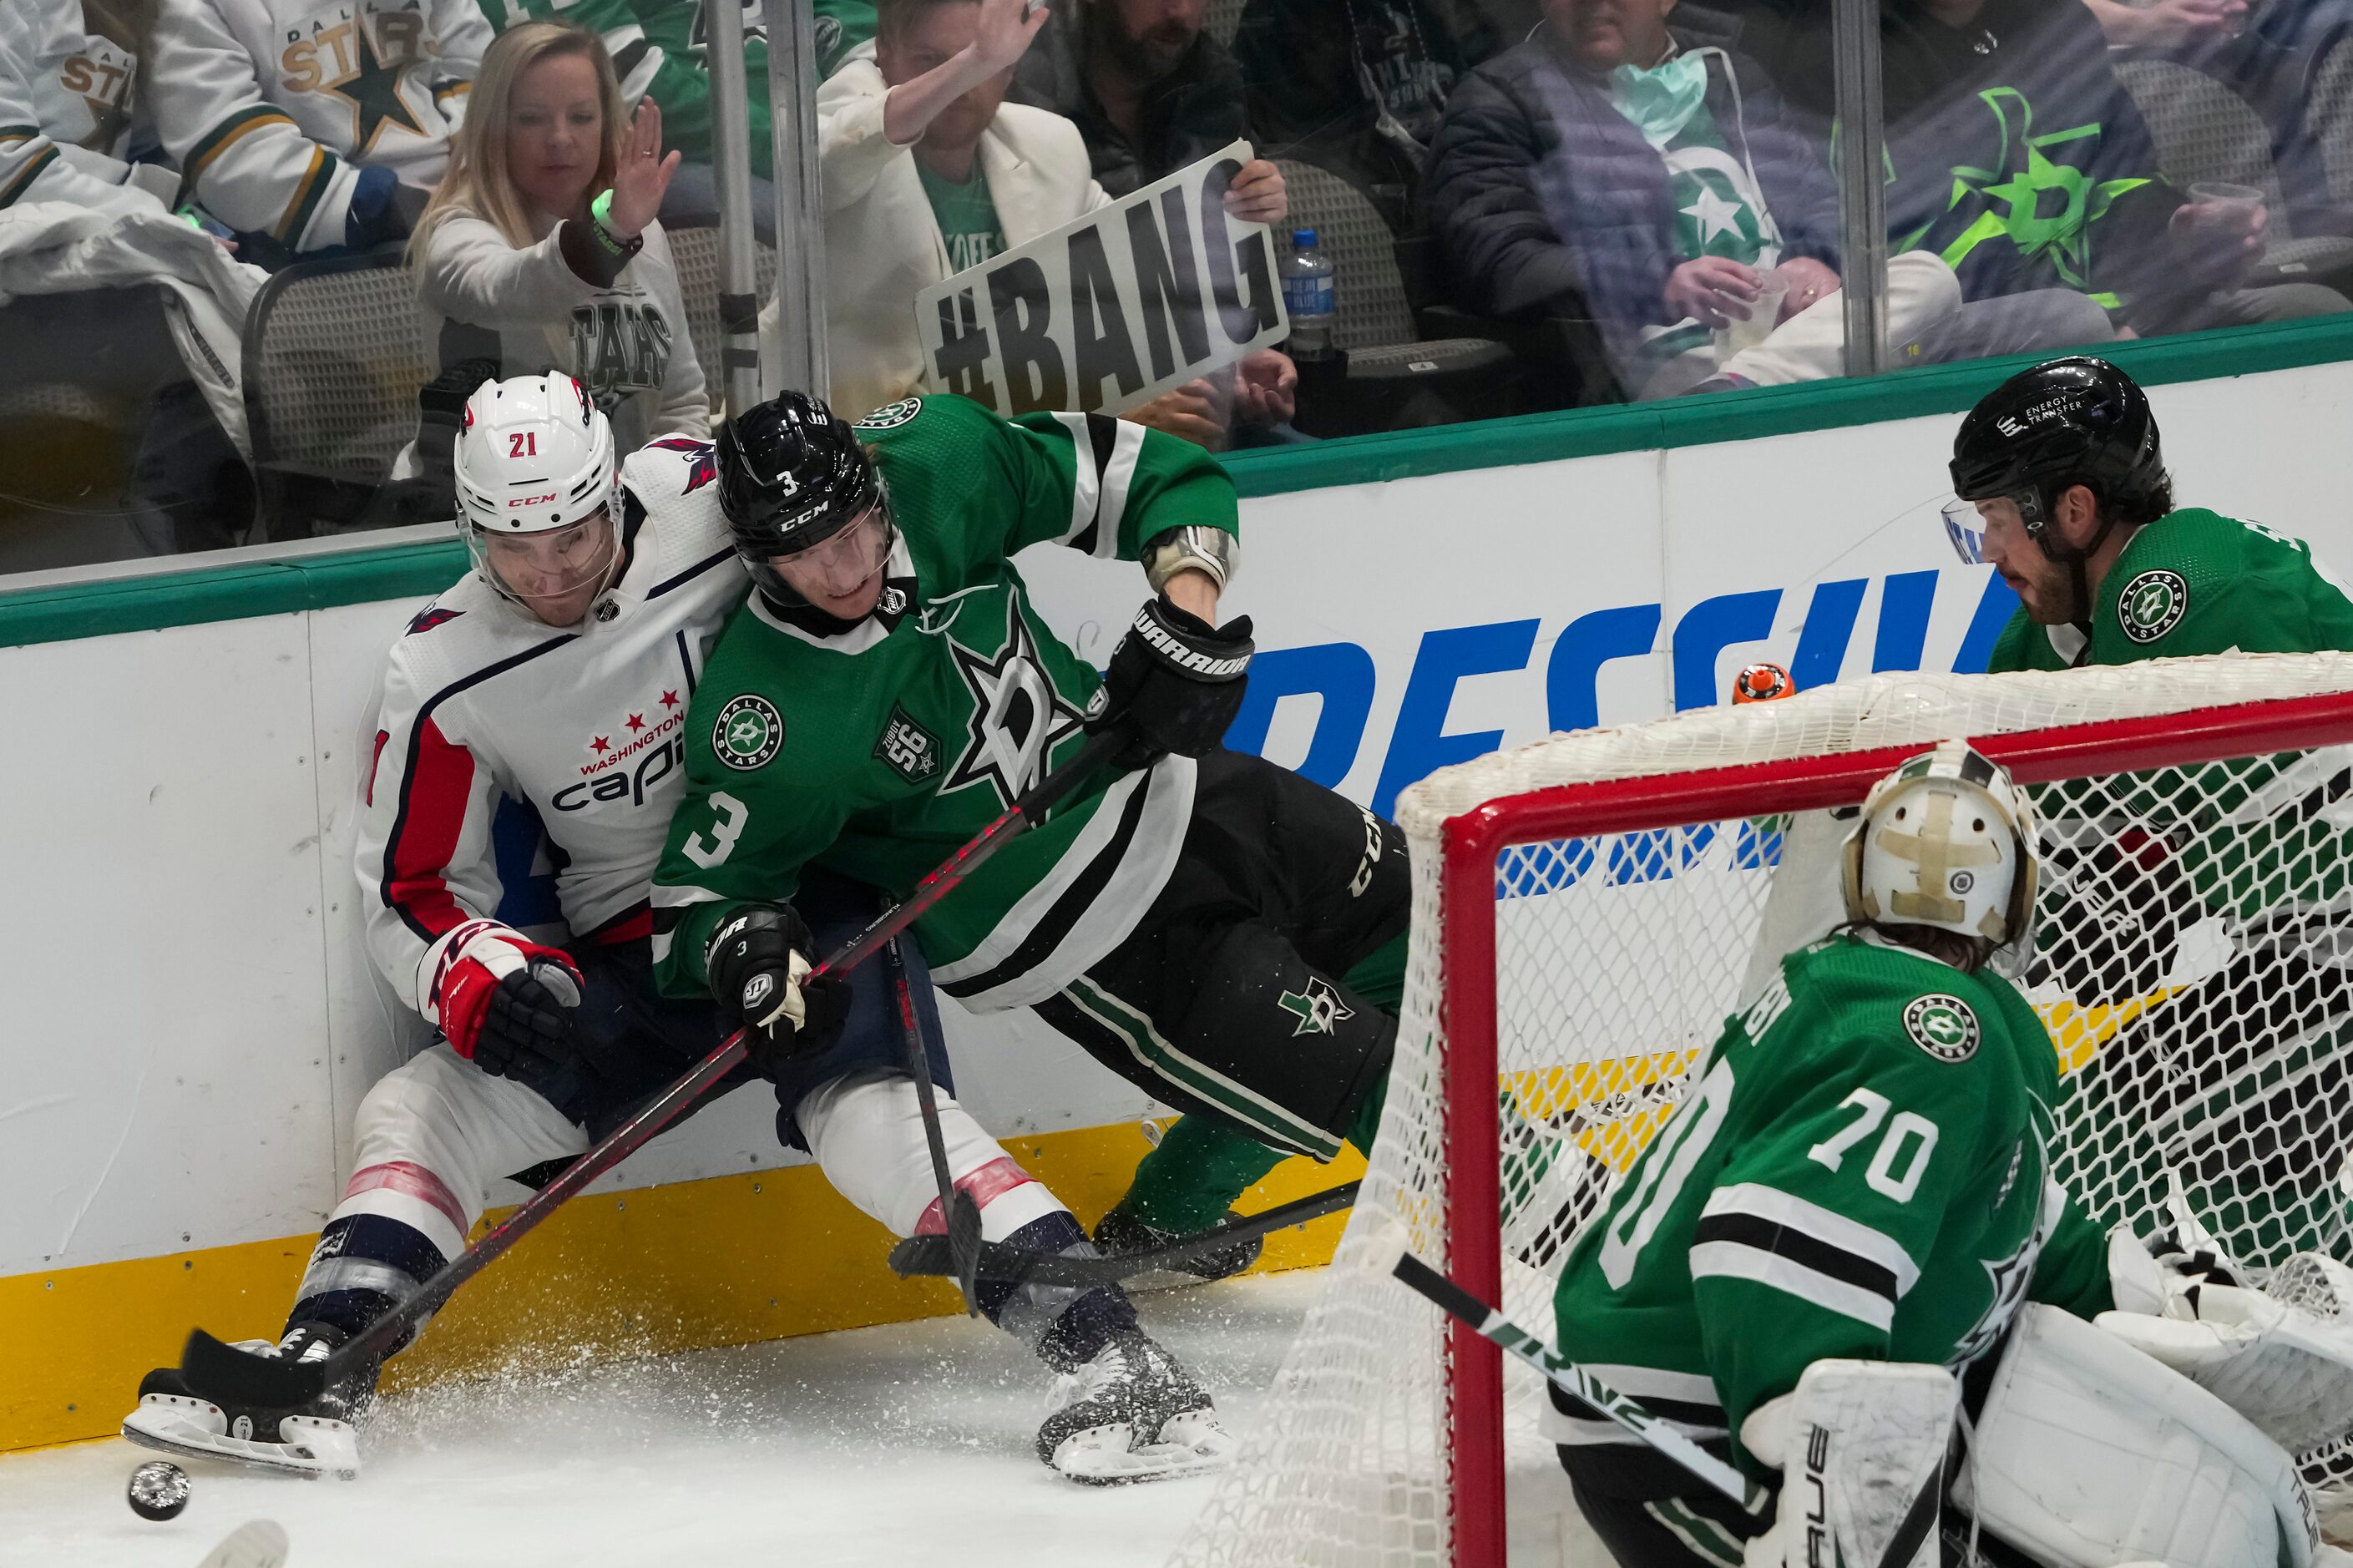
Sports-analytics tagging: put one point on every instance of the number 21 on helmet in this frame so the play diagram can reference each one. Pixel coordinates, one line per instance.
(537, 481)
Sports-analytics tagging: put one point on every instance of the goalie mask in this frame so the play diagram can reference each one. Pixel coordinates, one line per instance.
(1946, 841)
(537, 479)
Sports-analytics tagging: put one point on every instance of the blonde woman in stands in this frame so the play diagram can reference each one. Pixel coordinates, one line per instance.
(541, 252)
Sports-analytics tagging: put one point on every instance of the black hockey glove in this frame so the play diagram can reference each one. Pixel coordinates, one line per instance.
(1174, 682)
(759, 966)
(528, 1029)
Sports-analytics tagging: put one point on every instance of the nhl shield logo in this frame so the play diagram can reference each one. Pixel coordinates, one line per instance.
(1943, 1027)
(2152, 605)
(748, 732)
(890, 415)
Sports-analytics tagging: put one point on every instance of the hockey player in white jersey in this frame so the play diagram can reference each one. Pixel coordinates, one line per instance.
(310, 124)
(558, 672)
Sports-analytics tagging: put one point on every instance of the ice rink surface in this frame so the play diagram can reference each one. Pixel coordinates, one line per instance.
(907, 1444)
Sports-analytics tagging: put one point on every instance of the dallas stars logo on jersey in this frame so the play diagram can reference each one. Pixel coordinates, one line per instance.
(749, 732)
(1318, 1008)
(2152, 605)
(1017, 717)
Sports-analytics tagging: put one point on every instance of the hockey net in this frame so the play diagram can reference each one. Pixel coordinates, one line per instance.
(1588, 909)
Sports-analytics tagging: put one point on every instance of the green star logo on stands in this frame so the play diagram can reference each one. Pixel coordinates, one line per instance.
(373, 92)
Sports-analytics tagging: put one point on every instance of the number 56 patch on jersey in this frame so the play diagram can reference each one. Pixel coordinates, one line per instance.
(749, 731)
(1943, 1027)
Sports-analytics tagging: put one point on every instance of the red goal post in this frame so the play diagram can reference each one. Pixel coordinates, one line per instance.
(1385, 1441)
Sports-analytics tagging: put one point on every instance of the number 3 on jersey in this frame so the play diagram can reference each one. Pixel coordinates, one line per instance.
(709, 852)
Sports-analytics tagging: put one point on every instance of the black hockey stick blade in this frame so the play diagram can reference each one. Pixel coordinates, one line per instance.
(932, 1255)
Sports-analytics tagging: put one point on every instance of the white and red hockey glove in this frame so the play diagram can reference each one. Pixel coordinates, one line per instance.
(503, 1001)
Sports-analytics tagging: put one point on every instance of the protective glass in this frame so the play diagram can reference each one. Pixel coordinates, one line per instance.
(543, 570)
(1966, 529)
(838, 566)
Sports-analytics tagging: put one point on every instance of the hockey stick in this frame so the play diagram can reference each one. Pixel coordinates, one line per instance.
(959, 1211)
(221, 1371)
(930, 1255)
(1491, 1325)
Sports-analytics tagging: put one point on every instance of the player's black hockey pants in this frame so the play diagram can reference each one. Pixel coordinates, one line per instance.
(1233, 996)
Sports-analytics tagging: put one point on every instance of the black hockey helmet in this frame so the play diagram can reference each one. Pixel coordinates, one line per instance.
(2070, 421)
(791, 476)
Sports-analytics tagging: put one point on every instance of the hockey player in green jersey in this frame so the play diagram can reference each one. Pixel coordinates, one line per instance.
(1214, 928)
(1844, 1216)
(2240, 1086)
(2061, 467)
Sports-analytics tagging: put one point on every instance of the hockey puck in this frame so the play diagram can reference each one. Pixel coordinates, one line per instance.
(159, 1489)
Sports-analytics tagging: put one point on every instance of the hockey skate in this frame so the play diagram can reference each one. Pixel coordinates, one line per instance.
(1119, 1233)
(1132, 1414)
(312, 1440)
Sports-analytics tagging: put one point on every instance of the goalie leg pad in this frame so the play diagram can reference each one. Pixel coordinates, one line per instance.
(2089, 1454)
(1861, 1446)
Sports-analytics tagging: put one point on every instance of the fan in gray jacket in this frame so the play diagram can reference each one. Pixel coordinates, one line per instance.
(1646, 177)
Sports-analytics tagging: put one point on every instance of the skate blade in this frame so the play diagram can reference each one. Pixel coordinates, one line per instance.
(1196, 1448)
(255, 1543)
(170, 1425)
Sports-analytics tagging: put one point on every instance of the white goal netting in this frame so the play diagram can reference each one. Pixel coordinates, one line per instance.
(2194, 962)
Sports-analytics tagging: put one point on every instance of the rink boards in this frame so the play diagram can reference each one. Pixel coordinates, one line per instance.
(190, 1020)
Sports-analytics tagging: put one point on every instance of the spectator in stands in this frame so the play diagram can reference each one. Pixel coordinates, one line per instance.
(2018, 157)
(541, 250)
(1615, 164)
(72, 131)
(1151, 92)
(307, 130)
(661, 49)
(928, 171)
(1357, 86)
(68, 71)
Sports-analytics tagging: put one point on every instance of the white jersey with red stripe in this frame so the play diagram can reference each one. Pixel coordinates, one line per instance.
(584, 723)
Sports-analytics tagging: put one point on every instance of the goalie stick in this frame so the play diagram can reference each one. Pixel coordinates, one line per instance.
(231, 1375)
(933, 1255)
(1491, 1325)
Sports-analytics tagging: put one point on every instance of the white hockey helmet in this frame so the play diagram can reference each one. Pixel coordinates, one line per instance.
(534, 455)
(1946, 840)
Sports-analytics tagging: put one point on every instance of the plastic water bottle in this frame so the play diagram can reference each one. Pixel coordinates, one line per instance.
(1307, 294)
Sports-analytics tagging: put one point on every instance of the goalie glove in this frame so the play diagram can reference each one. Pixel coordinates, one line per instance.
(1175, 682)
(759, 967)
(2282, 1366)
(1861, 1446)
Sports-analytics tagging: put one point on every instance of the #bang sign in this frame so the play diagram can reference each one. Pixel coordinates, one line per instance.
(1110, 311)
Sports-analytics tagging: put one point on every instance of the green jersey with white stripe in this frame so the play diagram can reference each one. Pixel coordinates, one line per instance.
(877, 748)
(1858, 1170)
(2194, 581)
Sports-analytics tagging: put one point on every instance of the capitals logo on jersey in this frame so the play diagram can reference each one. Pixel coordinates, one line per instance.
(701, 461)
(360, 59)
